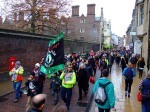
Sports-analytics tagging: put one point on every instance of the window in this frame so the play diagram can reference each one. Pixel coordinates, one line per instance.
(82, 38)
(141, 14)
(81, 30)
(82, 20)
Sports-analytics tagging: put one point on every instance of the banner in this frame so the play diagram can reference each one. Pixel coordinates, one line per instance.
(54, 59)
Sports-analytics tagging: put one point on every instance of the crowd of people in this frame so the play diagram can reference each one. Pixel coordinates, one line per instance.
(79, 68)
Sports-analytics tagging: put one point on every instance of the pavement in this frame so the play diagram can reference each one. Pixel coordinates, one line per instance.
(86, 105)
(123, 104)
(7, 97)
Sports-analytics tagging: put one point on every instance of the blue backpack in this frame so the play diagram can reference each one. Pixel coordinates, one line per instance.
(129, 73)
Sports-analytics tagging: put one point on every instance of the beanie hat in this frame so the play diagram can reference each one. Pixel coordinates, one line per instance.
(37, 65)
(18, 63)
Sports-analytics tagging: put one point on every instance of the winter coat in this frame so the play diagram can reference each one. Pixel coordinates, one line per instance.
(123, 63)
(55, 83)
(133, 75)
(68, 79)
(141, 65)
(144, 87)
(32, 85)
(89, 70)
(110, 103)
(82, 78)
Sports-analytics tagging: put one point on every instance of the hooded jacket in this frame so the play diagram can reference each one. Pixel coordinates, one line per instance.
(110, 103)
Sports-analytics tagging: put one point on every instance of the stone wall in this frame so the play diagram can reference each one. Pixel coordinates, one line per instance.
(30, 48)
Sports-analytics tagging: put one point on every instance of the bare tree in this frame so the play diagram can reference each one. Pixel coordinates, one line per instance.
(38, 16)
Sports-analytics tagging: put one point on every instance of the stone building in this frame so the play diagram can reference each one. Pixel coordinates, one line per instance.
(107, 34)
(142, 20)
(143, 28)
(86, 28)
(132, 40)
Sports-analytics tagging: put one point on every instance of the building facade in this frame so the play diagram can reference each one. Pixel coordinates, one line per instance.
(141, 18)
(90, 28)
(143, 30)
(85, 28)
(107, 34)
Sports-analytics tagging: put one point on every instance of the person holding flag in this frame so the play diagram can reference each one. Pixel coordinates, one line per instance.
(68, 80)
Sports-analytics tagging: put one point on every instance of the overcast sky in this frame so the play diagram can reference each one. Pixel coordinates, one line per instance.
(118, 11)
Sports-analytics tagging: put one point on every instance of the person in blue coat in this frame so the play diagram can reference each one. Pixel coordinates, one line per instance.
(110, 102)
(128, 73)
(144, 87)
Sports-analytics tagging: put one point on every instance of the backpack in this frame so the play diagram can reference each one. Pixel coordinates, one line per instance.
(129, 73)
(101, 96)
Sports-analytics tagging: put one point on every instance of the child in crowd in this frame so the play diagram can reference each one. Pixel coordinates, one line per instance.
(31, 85)
(55, 84)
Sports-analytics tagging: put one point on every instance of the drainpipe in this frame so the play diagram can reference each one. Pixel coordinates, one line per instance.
(148, 61)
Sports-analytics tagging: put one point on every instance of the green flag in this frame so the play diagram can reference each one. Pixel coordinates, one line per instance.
(54, 59)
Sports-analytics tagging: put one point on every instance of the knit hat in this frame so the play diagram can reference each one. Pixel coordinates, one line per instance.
(37, 65)
(18, 63)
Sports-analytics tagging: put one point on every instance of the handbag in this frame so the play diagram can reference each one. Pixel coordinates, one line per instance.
(139, 96)
(92, 80)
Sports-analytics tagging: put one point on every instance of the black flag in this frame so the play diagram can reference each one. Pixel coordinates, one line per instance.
(54, 59)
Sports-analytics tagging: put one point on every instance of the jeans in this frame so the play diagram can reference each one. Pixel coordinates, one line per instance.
(66, 94)
(146, 106)
(128, 84)
(17, 89)
(103, 110)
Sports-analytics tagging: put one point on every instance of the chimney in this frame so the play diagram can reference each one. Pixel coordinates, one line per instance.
(75, 10)
(91, 9)
(21, 16)
(1, 22)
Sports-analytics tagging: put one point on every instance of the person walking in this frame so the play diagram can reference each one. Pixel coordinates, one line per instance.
(144, 87)
(109, 90)
(82, 80)
(123, 63)
(40, 77)
(68, 80)
(55, 87)
(17, 76)
(31, 86)
(89, 71)
(141, 64)
(133, 60)
(128, 73)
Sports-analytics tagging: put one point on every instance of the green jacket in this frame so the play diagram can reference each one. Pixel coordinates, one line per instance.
(110, 103)
(68, 80)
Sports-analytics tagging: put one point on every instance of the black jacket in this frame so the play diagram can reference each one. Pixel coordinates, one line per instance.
(82, 78)
(32, 85)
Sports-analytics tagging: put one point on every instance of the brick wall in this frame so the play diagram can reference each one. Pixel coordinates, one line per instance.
(30, 49)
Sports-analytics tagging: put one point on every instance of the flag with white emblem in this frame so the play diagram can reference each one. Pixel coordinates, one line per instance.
(54, 59)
